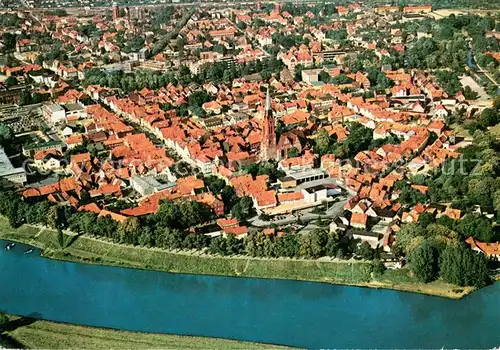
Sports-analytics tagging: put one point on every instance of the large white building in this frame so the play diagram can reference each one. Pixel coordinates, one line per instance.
(146, 185)
(54, 113)
(8, 172)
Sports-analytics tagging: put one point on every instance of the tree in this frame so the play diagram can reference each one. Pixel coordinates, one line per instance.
(198, 98)
(3, 320)
(167, 215)
(293, 152)
(341, 79)
(215, 184)
(269, 168)
(218, 245)
(479, 190)
(322, 142)
(409, 195)
(195, 241)
(489, 117)
(243, 209)
(476, 226)
(25, 99)
(10, 81)
(229, 245)
(445, 32)
(496, 200)
(312, 244)
(470, 94)
(449, 81)
(241, 25)
(360, 138)
(496, 103)
(37, 213)
(287, 246)
(192, 213)
(425, 219)
(463, 267)
(229, 198)
(383, 82)
(170, 238)
(324, 77)
(406, 236)
(12, 207)
(54, 217)
(6, 134)
(365, 251)
(146, 237)
(424, 262)
(9, 41)
(378, 267)
(254, 244)
(105, 226)
(332, 245)
(128, 229)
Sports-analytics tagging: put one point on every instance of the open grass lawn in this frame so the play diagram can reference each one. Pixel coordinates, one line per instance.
(495, 130)
(48, 239)
(23, 233)
(335, 272)
(50, 335)
(461, 131)
(401, 279)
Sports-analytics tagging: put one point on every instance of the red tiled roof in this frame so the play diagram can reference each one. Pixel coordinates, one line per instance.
(114, 216)
(92, 207)
(359, 218)
(236, 230)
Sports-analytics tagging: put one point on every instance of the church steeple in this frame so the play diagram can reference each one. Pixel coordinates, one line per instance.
(268, 143)
(267, 106)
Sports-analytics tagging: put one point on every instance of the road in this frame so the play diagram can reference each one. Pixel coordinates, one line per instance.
(479, 69)
(466, 80)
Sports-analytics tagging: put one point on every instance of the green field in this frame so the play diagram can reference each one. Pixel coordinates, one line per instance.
(97, 251)
(50, 335)
(495, 130)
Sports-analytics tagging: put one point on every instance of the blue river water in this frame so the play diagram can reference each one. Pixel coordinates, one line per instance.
(302, 314)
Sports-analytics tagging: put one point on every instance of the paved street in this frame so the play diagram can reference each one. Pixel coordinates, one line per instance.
(466, 80)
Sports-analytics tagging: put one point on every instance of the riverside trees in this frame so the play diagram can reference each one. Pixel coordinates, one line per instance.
(461, 266)
(436, 251)
(168, 229)
(424, 262)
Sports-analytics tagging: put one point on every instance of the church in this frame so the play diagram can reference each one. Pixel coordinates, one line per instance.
(270, 149)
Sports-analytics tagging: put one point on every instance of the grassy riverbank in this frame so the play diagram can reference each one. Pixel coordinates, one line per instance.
(51, 335)
(96, 251)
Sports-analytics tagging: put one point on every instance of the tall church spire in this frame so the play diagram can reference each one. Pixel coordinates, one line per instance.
(267, 106)
(268, 143)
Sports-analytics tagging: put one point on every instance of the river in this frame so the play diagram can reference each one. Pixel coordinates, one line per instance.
(303, 314)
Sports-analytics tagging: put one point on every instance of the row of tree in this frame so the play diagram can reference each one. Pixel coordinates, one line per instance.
(458, 265)
(218, 73)
(360, 139)
(434, 250)
(168, 228)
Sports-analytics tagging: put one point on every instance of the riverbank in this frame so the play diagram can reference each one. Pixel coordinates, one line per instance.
(51, 335)
(97, 251)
